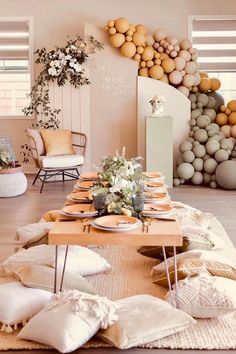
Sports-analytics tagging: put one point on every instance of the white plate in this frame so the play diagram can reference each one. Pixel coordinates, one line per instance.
(121, 229)
(80, 215)
(158, 214)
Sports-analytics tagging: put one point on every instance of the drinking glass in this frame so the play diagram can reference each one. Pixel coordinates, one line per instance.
(99, 202)
(138, 203)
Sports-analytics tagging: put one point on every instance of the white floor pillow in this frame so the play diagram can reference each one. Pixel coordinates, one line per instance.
(70, 320)
(143, 319)
(33, 232)
(81, 260)
(19, 303)
(204, 296)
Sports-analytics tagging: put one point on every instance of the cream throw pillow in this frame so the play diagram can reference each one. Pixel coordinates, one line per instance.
(143, 319)
(42, 277)
(205, 296)
(57, 142)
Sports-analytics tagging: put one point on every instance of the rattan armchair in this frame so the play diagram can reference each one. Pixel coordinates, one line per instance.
(66, 166)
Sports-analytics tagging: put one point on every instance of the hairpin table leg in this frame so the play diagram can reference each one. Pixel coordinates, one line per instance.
(64, 267)
(176, 278)
(168, 274)
(55, 272)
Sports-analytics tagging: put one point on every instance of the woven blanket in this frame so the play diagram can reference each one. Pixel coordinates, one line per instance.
(131, 276)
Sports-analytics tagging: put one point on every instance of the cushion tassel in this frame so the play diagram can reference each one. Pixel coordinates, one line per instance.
(3, 328)
(15, 326)
(9, 329)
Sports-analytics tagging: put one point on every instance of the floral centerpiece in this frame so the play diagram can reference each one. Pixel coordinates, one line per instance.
(119, 178)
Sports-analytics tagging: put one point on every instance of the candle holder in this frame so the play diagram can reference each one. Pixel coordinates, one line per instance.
(99, 202)
(138, 203)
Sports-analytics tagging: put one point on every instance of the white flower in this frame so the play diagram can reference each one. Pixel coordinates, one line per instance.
(53, 72)
(73, 47)
(68, 57)
(77, 68)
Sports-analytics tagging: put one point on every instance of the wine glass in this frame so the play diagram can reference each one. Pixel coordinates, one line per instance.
(99, 202)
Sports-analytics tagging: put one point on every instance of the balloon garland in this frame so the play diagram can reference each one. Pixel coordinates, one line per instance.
(208, 155)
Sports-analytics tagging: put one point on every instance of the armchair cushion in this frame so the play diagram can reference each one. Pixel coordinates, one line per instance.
(36, 135)
(61, 161)
(57, 142)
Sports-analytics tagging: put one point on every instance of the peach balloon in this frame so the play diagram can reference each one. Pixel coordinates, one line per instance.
(185, 54)
(143, 64)
(233, 131)
(139, 50)
(221, 119)
(130, 32)
(110, 23)
(150, 40)
(232, 105)
(191, 67)
(168, 65)
(188, 80)
(173, 54)
(122, 25)
(159, 34)
(156, 72)
(150, 63)
(227, 111)
(157, 61)
(197, 79)
(137, 57)
(139, 39)
(185, 44)
(172, 40)
(128, 39)
(157, 55)
(184, 90)
(128, 49)
(175, 77)
(232, 118)
(165, 79)
(180, 63)
(226, 129)
(148, 53)
(117, 40)
(143, 72)
(141, 29)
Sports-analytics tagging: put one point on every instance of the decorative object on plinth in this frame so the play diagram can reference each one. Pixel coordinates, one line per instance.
(158, 105)
(119, 179)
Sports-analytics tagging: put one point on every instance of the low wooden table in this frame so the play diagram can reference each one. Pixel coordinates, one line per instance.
(160, 233)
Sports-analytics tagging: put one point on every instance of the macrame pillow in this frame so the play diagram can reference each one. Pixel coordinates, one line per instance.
(19, 303)
(205, 296)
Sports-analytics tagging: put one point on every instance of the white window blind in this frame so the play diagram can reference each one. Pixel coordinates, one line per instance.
(215, 40)
(14, 45)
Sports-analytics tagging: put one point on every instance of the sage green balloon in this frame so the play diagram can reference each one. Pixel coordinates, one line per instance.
(199, 150)
(194, 129)
(197, 178)
(213, 126)
(212, 146)
(215, 137)
(210, 113)
(206, 178)
(198, 164)
(206, 157)
(199, 104)
(226, 174)
(176, 182)
(211, 102)
(227, 144)
(195, 143)
(192, 97)
(191, 140)
(200, 135)
(185, 170)
(196, 113)
(210, 165)
(213, 132)
(188, 156)
(192, 122)
(213, 184)
(185, 146)
(193, 105)
(203, 99)
(221, 155)
(203, 121)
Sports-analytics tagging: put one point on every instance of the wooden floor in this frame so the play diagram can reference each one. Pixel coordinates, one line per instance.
(29, 207)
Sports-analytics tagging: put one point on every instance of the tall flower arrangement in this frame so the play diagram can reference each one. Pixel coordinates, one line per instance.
(59, 65)
(118, 179)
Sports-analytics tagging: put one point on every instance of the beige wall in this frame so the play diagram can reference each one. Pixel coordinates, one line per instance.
(54, 19)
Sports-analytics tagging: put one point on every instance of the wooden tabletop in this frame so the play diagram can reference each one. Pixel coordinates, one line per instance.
(160, 233)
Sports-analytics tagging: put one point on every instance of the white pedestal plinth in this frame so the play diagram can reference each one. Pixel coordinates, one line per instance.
(159, 146)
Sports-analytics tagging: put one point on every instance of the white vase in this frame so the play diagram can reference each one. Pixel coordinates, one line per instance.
(13, 182)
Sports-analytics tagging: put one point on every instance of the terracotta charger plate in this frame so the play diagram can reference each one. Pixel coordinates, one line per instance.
(154, 184)
(155, 195)
(154, 209)
(114, 222)
(153, 174)
(89, 176)
(81, 195)
(76, 209)
(85, 185)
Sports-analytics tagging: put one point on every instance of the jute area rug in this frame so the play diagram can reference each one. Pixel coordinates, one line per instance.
(131, 276)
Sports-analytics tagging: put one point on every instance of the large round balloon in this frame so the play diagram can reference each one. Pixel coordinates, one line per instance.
(226, 174)
(219, 100)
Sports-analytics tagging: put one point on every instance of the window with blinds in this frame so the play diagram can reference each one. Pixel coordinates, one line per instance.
(15, 72)
(215, 40)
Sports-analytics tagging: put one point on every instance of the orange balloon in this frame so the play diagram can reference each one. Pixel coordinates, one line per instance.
(141, 29)
(227, 111)
(143, 72)
(203, 74)
(232, 105)
(139, 39)
(204, 85)
(122, 25)
(128, 49)
(117, 40)
(223, 108)
(221, 119)
(232, 118)
(215, 84)
(156, 72)
(168, 65)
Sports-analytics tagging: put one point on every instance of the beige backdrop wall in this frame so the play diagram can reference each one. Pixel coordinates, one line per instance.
(54, 19)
